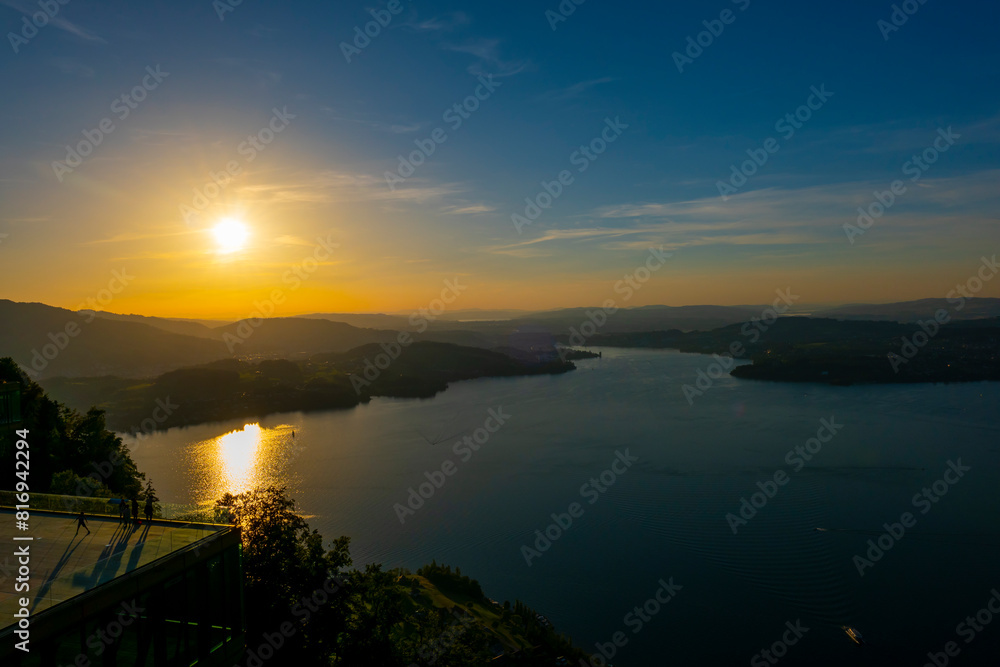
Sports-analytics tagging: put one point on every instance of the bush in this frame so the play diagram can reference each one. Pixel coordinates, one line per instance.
(68, 483)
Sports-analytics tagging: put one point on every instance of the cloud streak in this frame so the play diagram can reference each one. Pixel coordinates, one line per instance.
(57, 21)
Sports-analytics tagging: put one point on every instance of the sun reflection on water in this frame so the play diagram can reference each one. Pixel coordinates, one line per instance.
(239, 451)
(244, 458)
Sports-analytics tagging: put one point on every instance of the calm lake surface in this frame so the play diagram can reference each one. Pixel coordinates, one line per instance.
(665, 517)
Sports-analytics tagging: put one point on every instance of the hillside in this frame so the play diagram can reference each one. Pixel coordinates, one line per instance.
(297, 337)
(233, 389)
(48, 341)
(809, 349)
(426, 368)
(911, 311)
(442, 603)
(200, 329)
(645, 318)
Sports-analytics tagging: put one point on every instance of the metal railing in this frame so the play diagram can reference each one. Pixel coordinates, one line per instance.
(98, 506)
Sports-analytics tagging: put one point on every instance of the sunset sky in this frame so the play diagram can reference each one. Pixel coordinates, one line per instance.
(340, 126)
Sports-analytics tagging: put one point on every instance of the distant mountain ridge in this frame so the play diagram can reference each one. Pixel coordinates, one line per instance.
(50, 341)
(298, 337)
(199, 328)
(911, 311)
(47, 341)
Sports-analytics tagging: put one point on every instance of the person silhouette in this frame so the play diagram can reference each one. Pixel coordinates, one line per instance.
(149, 507)
(135, 511)
(81, 522)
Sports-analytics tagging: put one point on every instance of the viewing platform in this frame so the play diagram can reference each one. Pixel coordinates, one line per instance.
(165, 592)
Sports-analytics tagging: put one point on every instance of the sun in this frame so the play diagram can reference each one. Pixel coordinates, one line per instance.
(230, 235)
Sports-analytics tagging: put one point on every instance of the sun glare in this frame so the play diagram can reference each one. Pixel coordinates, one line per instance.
(230, 235)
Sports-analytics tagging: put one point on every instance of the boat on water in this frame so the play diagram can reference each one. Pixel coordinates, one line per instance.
(854, 634)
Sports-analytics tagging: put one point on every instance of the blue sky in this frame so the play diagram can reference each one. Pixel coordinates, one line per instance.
(656, 185)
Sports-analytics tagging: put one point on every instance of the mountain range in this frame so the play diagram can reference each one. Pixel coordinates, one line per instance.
(49, 341)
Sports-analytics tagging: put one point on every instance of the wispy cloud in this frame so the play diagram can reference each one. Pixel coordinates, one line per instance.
(58, 21)
(443, 23)
(470, 209)
(398, 127)
(487, 51)
(836, 201)
(265, 76)
(289, 239)
(404, 129)
(812, 216)
(532, 247)
(574, 91)
(130, 237)
(330, 186)
(73, 68)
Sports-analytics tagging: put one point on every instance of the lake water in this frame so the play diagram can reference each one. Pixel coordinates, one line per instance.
(664, 516)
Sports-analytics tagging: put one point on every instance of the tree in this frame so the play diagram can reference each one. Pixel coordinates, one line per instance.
(376, 608)
(68, 483)
(285, 567)
(65, 440)
(150, 494)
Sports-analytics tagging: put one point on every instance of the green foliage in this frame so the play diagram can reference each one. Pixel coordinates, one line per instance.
(445, 641)
(282, 370)
(363, 617)
(374, 617)
(188, 384)
(443, 577)
(285, 563)
(376, 607)
(68, 483)
(231, 389)
(66, 440)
